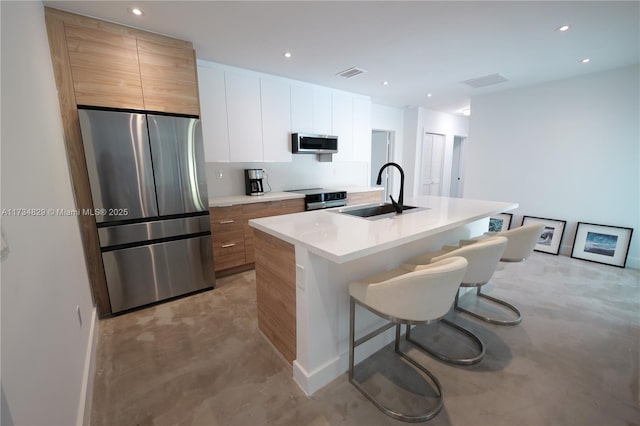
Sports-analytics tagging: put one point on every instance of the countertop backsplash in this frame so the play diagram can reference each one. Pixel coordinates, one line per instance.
(226, 179)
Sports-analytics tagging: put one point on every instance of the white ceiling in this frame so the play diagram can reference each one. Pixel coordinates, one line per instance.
(419, 47)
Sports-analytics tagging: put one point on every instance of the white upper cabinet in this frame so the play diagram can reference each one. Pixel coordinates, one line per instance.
(248, 117)
(213, 110)
(361, 128)
(310, 110)
(276, 119)
(244, 117)
(322, 120)
(301, 109)
(342, 125)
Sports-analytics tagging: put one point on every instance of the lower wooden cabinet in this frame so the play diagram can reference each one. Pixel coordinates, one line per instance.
(227, 236)
(231, 235)
(364, 197)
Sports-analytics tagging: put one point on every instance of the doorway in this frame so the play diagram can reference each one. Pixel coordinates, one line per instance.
(457, 169)
(381, 149)
(432, 162)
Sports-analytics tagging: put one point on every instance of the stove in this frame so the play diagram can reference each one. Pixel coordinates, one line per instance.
(321, 198)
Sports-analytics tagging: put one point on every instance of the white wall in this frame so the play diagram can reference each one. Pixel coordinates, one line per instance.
(450, 126)
(44, 346)
(568, 149)
(419, 121)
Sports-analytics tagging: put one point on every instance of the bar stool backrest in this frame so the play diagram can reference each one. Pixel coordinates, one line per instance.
(419, 296)
(522, 241)
(483, 257)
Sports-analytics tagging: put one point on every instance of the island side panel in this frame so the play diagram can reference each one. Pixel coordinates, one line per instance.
(276, 292)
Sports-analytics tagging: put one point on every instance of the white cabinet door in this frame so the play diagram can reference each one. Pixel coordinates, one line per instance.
(311, 110)
(342, 125)
(361, 129)
(276, 120)
(301, 109)
(322, 107)
(244, 117)
(213, 113)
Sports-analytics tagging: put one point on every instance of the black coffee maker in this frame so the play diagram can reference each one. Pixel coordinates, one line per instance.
(253, 181)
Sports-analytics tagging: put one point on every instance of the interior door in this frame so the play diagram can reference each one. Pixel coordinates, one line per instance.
(432, 164)
(457, 170)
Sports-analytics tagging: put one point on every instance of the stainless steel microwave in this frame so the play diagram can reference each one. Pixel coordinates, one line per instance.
(308, 143)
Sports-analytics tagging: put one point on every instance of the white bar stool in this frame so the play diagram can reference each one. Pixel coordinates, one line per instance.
(521, 242)
(483, 258)
(402, 297)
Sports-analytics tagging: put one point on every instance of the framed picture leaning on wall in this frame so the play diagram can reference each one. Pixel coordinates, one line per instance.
(500, 222)
(551, 237)
(602, 243)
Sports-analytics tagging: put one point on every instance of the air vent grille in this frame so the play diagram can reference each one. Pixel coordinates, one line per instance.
(351, 72)
(484, 81)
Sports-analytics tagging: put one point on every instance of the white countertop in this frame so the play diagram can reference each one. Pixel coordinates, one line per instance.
(341, 238)
(247, 199)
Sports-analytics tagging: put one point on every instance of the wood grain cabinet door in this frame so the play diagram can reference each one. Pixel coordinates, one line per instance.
(265, 209)
(104, 67)
(168, 74)
(364, 197)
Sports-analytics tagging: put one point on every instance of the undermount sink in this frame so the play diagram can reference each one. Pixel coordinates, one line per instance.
(375, 211)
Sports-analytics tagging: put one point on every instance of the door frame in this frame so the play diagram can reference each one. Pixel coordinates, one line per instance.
(388, 181)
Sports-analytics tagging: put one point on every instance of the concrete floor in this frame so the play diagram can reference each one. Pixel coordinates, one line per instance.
(200, 360)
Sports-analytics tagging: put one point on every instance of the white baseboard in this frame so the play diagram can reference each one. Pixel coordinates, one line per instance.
(86, 396)
(311, 382)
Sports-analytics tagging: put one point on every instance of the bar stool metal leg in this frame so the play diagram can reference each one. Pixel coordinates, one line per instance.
(388, 411)
(479, 344)
(487, 319)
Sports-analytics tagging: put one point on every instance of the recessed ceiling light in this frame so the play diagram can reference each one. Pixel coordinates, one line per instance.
(137, 11)
(287, 55)
(585, 60)
(563, 28)
(428, 95)
(386, 83)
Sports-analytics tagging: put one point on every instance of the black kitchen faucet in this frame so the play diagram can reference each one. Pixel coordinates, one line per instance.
(397, 205)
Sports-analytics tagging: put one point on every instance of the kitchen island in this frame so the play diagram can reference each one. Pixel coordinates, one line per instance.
(305, 261)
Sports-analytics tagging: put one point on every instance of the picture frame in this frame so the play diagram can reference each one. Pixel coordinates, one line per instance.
(602, 244)
(500, 222)
(550, 240)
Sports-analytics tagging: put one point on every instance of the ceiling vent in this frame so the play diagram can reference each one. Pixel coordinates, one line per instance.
(351, 72)
(487, 80)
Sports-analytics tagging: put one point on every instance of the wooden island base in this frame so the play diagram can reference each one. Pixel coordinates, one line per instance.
(276, 292)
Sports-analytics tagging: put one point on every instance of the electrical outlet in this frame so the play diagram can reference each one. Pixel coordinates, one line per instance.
(219, 174)
(79, 314)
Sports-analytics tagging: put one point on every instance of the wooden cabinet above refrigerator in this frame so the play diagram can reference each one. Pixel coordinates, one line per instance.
(120, 67)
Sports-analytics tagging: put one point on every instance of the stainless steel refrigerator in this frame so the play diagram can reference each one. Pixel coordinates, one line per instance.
(149, 192)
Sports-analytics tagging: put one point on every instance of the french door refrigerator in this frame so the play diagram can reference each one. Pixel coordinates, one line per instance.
(149, 191)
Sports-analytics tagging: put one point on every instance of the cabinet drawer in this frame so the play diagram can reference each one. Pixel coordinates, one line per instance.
(225, 213)
(228, 250)
(226, 219)
(224, 227)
